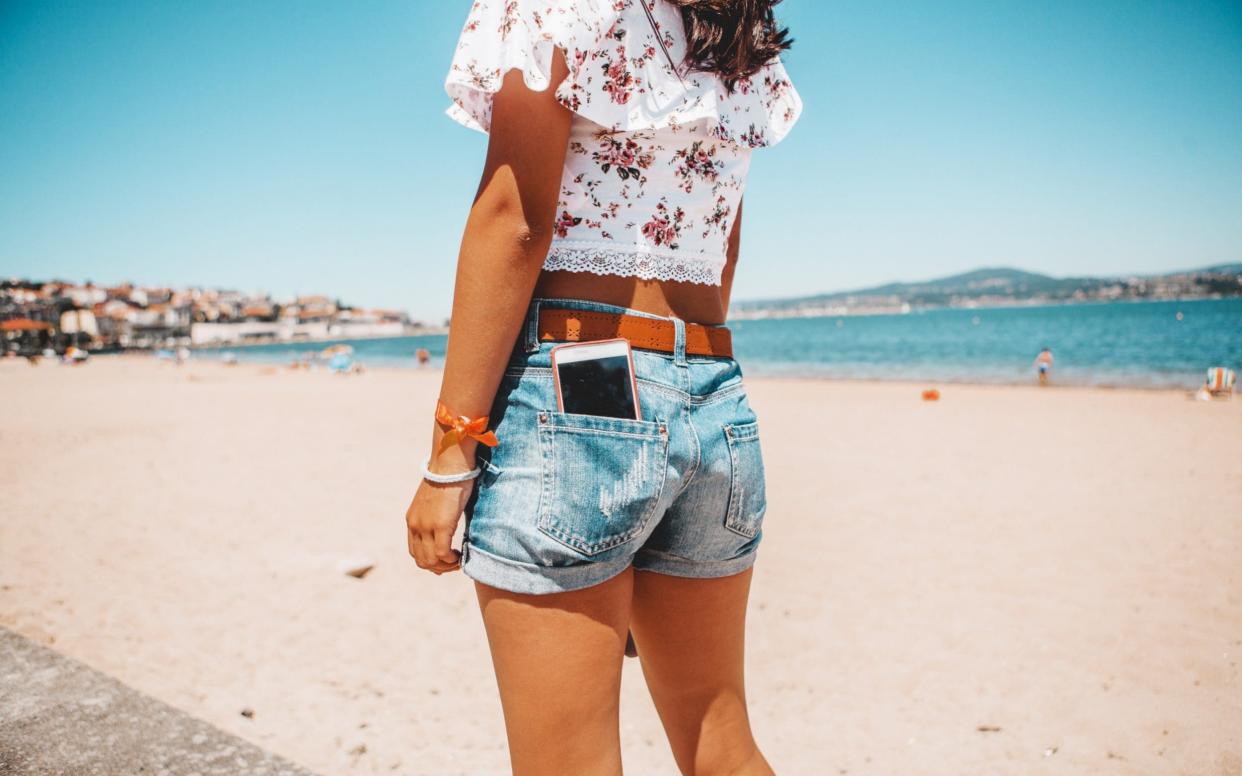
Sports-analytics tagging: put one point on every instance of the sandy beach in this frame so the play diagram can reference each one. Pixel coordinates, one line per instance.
(1007, 581)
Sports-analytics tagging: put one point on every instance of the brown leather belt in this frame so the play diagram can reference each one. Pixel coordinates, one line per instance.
(647, 333)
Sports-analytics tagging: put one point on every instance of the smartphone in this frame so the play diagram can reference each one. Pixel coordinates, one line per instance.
(596, 378)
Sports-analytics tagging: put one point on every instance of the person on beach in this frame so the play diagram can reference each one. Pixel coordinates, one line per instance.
(610, 203)
(1043, 363)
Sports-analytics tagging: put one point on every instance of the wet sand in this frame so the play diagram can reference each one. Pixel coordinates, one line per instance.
(1009, 580)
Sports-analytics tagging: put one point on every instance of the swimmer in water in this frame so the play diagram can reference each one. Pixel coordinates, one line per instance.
(1043, 362)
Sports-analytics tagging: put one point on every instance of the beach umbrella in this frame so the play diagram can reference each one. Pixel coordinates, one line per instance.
(333, 350)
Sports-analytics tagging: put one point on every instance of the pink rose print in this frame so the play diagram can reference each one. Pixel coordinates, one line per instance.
(573, 102)
(662, 229)
(776, 86)
(695, 162)
(506, 24)
(753, 137)
(719, 217)
(564, 223)
(627, 157)
(619, 81)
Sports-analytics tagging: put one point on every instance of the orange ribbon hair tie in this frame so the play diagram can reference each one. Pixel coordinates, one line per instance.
(460, 427)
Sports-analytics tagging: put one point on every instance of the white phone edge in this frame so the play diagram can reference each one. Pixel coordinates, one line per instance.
(588, 351)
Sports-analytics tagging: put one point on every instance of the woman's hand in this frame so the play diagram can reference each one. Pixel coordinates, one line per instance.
(431, 521)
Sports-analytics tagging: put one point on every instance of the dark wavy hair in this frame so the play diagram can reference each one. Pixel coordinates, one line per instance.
(731, 38)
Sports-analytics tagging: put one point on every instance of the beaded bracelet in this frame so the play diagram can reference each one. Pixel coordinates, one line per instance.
(446, 478)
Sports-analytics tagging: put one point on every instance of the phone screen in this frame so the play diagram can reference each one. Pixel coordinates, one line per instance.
(598, 386)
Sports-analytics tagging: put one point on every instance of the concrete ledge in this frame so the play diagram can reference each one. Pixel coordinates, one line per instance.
(59, 716)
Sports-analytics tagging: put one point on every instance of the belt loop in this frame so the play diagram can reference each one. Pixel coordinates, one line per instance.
(679, 342)
(531, 343)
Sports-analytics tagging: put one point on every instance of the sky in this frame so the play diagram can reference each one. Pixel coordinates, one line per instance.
(302, 147)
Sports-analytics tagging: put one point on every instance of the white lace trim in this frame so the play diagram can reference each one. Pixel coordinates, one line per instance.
(603, 259)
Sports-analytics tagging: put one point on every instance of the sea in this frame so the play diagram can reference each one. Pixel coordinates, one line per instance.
(1163, 344)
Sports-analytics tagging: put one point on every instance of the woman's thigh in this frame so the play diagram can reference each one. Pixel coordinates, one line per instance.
(690, 634)
(558, 663)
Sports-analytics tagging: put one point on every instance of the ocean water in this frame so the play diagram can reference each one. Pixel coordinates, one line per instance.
(1143, 344)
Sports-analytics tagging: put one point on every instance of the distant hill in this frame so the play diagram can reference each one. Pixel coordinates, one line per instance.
(1219, 269)
(1000, 285)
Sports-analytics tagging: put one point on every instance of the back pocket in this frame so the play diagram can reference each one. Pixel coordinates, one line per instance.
(747, 495)
(602, 478)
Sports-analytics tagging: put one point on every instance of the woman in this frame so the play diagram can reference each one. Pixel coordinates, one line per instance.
(610, 205)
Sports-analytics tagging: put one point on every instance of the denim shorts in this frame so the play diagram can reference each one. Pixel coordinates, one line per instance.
(566, 500)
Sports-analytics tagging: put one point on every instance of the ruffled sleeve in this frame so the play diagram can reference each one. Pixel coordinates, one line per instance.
(618, 75)
(502, 35)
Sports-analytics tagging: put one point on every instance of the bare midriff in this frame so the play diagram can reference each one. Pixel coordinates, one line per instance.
(694, 302)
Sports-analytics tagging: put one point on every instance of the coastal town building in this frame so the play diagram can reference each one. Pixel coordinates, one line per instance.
(35, 316)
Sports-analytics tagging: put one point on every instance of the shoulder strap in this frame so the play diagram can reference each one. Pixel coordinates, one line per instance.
(660, 39)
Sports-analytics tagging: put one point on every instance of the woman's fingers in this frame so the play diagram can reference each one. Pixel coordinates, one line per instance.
(427, 549)
(411, 538)
(443, 544)
(423, 549)
(431, 521)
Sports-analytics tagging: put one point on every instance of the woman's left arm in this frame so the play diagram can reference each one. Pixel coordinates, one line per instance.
(506, 238)
(732, 249)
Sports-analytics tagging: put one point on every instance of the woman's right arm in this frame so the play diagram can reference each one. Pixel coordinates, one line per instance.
(506, 238)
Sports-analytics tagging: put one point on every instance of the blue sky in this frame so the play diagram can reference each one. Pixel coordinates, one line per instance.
(302, 146)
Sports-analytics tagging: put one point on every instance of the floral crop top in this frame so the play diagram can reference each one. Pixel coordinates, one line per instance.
(657, 159)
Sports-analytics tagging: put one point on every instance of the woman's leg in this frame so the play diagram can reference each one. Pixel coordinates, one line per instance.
(690, 635)
(558, 665)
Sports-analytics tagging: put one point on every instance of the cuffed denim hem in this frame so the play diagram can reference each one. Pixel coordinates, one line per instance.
(518, 577)
(663, 563)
